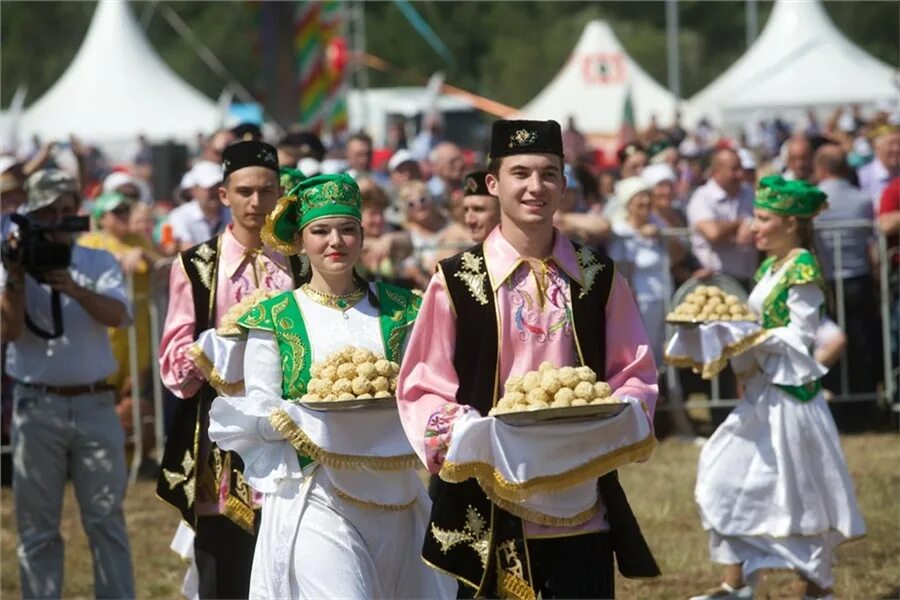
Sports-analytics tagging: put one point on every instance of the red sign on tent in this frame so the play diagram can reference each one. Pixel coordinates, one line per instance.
(603, 68)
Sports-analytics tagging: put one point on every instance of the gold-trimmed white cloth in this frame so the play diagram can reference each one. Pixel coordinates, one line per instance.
(221, 360)
(546, 473)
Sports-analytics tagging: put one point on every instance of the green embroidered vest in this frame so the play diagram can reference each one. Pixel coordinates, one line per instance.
(803, 269)
(280, 315)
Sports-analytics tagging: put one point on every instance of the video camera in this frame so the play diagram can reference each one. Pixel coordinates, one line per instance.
(35, 251)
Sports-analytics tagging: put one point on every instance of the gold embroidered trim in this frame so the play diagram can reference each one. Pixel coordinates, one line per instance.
(240, 514)
(369, 504)
(185, 478)
(590, 265)
(715, 366)
(215, 379)
(510, 586)
(472, 274)
(204, 265)
(268, 230)
(474, 534)
(499, 489)
(534, 516)
(286, 426)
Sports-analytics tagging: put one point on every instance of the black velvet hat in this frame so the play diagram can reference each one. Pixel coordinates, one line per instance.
(525, 137)
(247, 131)
(474, 184)
(248, 154)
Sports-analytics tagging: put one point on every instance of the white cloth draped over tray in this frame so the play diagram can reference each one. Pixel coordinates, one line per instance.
(546, 473)
(221, 360)
(773, 487)
(364, 452)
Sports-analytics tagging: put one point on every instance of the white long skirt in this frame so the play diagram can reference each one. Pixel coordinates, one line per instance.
(773, 486)
(315, 544)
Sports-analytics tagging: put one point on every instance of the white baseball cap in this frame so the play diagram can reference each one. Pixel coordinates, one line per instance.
(657, 173)
(204, 173)
(748, 162)
(400, 156)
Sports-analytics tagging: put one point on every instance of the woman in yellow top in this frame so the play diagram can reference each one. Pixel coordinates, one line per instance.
(111, 212)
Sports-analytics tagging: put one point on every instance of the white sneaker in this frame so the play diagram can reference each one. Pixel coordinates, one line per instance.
(726, 592)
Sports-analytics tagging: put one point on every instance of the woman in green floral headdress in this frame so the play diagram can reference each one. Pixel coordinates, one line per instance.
(345, 512)
(772, 486)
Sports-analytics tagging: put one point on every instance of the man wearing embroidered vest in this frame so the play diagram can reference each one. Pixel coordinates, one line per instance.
(526, 295)
(203, 483)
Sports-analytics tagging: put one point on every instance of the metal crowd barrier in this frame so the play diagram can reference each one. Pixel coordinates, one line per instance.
(881, 272)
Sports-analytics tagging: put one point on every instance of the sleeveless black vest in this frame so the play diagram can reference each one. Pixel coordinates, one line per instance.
(188, 445)
(492, 546)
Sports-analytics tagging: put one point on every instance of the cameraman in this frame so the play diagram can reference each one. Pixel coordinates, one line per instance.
(64, 420)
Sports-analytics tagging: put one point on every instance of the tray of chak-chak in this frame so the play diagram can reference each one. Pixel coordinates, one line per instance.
(351, 379)
(555, 395)
(722, 301)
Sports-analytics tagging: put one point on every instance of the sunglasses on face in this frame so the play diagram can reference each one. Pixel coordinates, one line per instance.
(121, 211)
(419, 202)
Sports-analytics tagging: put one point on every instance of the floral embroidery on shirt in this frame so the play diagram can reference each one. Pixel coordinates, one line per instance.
(437, 432)
(535, 319)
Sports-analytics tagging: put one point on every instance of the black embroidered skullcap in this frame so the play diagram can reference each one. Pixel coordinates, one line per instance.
(474, 184)
(525, 137)
(248, 154)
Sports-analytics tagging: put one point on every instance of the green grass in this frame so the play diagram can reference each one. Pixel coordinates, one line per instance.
(661, 492)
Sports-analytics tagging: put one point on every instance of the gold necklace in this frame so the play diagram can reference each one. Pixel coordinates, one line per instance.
(341, 302)
(784, 259)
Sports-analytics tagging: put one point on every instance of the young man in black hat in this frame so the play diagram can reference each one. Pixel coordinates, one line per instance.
(204, 483)
(481, 211)
(524, 296)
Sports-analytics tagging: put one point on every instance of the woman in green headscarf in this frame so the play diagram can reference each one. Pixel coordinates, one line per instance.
(773, 486)
(344, 511)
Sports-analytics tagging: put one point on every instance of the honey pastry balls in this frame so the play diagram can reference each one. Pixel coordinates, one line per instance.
(710, 303)
(351, 374)
(228, 326)
(549, 387)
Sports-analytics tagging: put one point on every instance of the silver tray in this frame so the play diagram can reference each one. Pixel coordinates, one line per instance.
(695, 322)
(591, 412)
(357, 404)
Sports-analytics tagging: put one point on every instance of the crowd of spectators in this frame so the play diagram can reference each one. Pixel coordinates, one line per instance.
(670, 206)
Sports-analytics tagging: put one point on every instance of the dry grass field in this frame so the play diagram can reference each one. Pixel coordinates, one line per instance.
(660, 491)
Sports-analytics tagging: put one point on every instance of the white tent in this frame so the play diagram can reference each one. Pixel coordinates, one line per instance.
(116, 88)
(593, 85)
(800, 61)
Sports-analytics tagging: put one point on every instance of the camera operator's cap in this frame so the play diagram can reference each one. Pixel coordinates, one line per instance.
(248, 154)
(796, 198)
(312, 199)
(474, 184)
(108, 202)
(45, 186)
(509, 138)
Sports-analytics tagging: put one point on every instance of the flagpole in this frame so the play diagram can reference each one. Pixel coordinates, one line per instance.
(673, 60)
(752, 21)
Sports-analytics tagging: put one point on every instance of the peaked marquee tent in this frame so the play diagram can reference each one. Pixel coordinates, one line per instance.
(594, 83)
(117, 87)
(800, 60)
